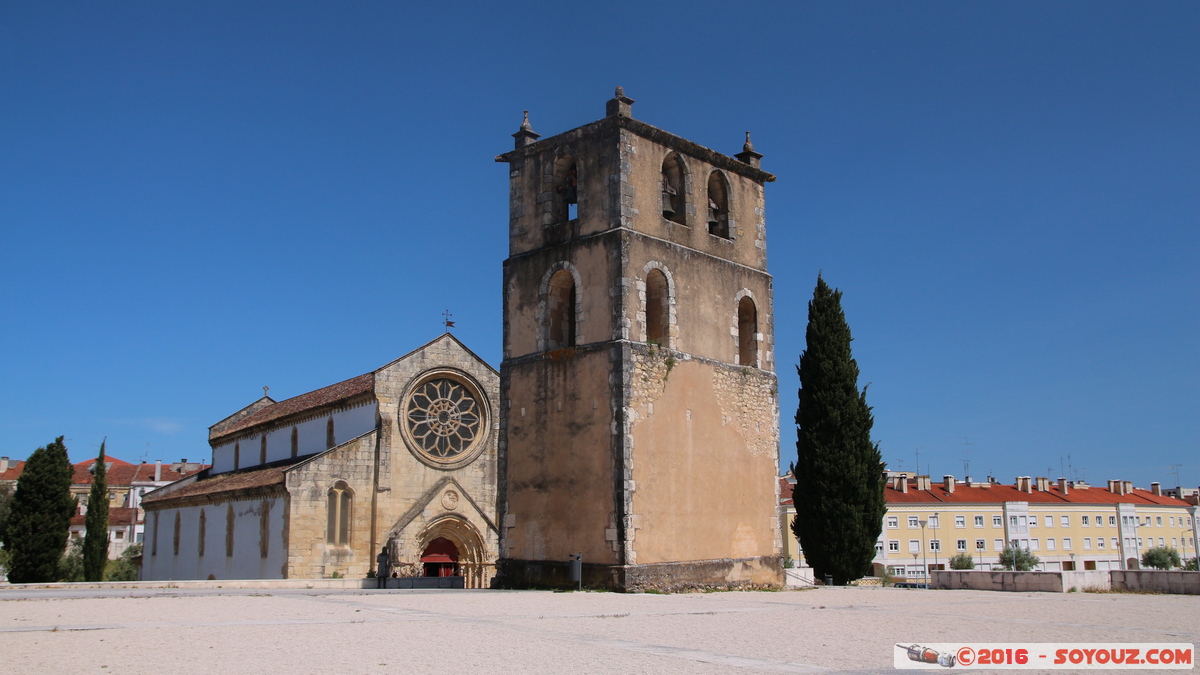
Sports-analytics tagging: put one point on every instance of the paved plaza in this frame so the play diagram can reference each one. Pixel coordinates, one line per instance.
(846, 630)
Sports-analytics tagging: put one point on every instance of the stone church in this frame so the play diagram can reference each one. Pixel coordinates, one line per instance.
(634, 421)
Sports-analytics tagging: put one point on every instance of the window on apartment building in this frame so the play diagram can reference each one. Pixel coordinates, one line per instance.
(1066, 543)
(120, 534)
(980, 544)
(997, 544)
(997, 521)
(961, 545)
(1099, 521)
(1115, 543)
(1049, 521)
(1033, 521)
(935, 544)
(1112, 521)
(1087, 543)
(1099, 542)
(1140, 544)
(1033, 544)
(978, 521)
(960, 521)
(934, 522)
(914, 546)
(914, 521)
(1174, 543)
(894, 546)
(1157, 519)
(893, 522)
(1012, 521)
(1160, 542)
(1066, 521)
(878, 547)
(896, 570)
(1172, 521)
(1085, 521)
(1050, 544)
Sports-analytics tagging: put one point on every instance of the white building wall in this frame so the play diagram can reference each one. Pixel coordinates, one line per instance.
(310, 437)
(247, 561)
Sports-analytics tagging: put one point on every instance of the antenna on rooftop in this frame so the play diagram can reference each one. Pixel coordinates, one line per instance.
(1174, 468)
(917, 451)
(966, 455)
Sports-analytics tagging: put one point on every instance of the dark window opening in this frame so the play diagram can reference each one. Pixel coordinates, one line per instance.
(718, 206)
(673, 203)
(330, 440)
(658, 316)
(262, 450)
(560, 310)
(566, 189)
(747, 332)
(295, 442)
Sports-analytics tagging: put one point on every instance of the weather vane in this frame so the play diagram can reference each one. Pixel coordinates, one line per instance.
(447, 321)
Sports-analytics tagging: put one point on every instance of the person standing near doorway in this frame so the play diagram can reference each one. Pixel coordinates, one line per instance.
(382, 564)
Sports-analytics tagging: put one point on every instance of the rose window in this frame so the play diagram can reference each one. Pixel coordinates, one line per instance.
(443, 418)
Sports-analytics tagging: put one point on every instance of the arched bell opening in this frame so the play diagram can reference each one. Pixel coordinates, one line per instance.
(566, 188)
(673, 190)
(718, 206)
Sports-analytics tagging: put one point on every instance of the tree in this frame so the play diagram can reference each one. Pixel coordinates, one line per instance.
(962, 561)
(6, 494)
(1161, 558)
(123, 568)
(1192, 565)
(95, 542)
(40, 516)
(839, 471)
(1017, 558)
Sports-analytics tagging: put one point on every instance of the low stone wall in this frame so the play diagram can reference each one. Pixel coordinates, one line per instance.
(1132, 581)
(1156, 581)
(979, 580)
(223, 583)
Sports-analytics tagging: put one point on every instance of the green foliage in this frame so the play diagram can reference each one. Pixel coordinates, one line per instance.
(1017, 558)
(962, 561)
(70, 568)
(95, 543)
(1161, 558)
(123, 568)
(40, 516)
(1192, 565)
(839, 471)
(6, 494)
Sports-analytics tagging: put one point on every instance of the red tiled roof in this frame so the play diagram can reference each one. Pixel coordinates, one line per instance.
(117, 516)
(785, 491)
(120, 473)
(997, 493)
(313, 399)
(221, 483)
(14, 470)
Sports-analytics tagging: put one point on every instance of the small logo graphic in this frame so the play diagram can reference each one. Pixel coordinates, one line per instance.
(926, 655)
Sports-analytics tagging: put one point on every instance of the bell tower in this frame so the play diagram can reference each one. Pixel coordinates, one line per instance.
(639, 404)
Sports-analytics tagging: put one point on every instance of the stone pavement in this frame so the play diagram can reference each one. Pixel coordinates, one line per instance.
(210, 630)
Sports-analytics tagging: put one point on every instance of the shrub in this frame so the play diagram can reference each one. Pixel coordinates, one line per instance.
(1161, 558)
(962, 561)
(1017, 558)
(1192, 565)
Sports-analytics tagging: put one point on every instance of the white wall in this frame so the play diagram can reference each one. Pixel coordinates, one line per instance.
(310, 436)
(247, 561)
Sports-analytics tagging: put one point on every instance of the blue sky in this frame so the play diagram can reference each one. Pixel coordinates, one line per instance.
(199, 199)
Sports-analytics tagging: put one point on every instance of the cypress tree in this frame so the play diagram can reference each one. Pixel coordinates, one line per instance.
(95, 542)
(839, 471)
(40, 516)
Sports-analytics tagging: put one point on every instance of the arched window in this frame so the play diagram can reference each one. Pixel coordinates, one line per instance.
(229, 531)
(718, 205)
(747, 332)
(341, 507)
(673, 190)
(176, 533)
(237, 455)
(203, 530)
(262, 450)
(566, 188)
(658, 309)
(264, 528)
(560, 311)
(330, 441)
(295, 442)
(154, 536)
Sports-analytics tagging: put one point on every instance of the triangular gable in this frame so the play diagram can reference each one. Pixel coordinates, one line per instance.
(419, 506)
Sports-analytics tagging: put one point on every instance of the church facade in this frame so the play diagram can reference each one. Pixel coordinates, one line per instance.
(404, 458)
(634, 421)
